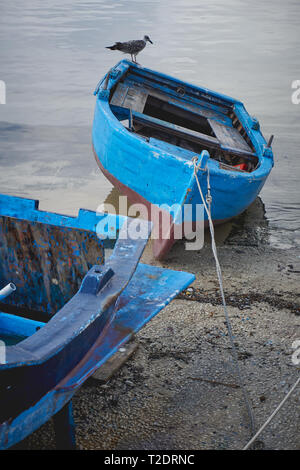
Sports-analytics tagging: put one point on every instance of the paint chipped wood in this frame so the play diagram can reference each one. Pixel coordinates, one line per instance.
(229, 137)
(112, 365)
(127, 97)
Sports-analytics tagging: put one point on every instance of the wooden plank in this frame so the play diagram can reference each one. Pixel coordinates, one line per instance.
(240, 153)
(229, 137)
(179, 131)
(135, 99)
(200, 122)
(129, 97)
(226, 166)
(51, 260)
(173, 149)
(114, 363)
(189, 135)
(119, 95)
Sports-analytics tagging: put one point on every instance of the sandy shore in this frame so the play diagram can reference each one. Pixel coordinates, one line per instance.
(179, 391)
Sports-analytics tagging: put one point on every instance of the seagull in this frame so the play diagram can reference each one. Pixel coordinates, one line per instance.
(131, 47)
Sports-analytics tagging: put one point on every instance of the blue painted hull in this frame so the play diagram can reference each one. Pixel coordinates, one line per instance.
(159, 174)
(52, 359)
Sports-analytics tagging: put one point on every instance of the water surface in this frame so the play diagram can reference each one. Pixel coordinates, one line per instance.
(53, 53)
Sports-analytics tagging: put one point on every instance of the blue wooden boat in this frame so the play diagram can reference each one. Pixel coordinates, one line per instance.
(147, 129)
(68, 310)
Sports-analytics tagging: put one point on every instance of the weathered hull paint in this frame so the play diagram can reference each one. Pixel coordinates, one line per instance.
(135, 308)
(41, 373)
(47, 254)
(161, 246)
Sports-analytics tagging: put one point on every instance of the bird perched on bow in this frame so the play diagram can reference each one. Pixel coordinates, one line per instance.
(131, 47)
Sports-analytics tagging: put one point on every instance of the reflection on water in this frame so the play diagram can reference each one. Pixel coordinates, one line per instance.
(53, 54)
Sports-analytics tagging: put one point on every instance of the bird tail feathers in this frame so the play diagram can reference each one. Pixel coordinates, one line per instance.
(114, 47)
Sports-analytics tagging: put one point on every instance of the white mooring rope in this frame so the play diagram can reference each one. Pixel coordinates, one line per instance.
(272, 415)
(219, 272)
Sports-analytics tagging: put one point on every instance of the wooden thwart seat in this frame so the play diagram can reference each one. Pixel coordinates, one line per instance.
(127, 97)
(179, 131)
(229, 137)
(188, 134)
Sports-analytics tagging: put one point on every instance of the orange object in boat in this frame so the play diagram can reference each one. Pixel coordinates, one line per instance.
(241, 166)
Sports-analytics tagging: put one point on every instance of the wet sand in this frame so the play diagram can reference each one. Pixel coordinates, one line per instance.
(179, 390)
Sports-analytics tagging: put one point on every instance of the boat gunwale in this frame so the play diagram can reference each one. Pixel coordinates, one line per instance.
(34, 350)
(260, 172)
(122, 69)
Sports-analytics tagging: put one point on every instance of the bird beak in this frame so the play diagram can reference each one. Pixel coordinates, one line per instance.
(150, 40)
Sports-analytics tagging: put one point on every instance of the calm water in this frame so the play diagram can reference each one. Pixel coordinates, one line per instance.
(53, 53)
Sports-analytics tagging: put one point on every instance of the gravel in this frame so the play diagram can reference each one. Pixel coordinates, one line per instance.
(179, 391)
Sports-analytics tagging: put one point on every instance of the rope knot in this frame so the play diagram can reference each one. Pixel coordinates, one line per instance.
(208, 199)
(199, 166)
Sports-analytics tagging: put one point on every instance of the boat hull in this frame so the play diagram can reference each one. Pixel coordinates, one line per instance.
(42, 364)
(161, 245)
(160, 285)
(155, 174)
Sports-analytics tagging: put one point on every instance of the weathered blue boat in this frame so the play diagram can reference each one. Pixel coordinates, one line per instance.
(148, 127)
(68, 311)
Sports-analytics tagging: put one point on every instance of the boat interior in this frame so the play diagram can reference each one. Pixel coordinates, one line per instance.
(46, 264)
(182, 121)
